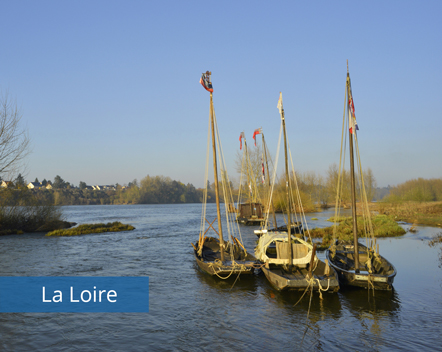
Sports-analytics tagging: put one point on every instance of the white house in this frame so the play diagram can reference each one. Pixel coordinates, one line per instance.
(104, 188)
(7, 184)
(35, 185)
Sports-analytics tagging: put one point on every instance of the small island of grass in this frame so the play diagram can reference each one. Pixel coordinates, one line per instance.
(383, 226)
(92, 228)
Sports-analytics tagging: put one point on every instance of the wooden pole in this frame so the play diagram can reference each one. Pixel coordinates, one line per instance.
(289, 224)
(249, 177)
(312, 261)
(353, 189)
(268, 177)
(215, 171)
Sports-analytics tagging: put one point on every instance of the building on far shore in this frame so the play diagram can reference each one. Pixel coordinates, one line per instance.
(35, 185)
(7, 184)
(39, 185)
(104, 188)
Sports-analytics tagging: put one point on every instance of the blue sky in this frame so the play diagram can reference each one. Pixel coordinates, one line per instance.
(109, 89)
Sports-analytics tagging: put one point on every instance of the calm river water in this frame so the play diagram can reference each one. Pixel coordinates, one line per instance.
(190, 311)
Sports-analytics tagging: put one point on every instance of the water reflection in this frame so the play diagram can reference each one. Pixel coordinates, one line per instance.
(305, 314)
(233, 283)
(300, 301)
(369, 301)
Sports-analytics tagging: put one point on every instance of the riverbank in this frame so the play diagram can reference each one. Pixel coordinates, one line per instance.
(420, 213)
(417, 213)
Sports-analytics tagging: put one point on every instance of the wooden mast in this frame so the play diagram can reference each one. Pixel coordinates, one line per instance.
(215, 172)
(289, 212)
(249, 178)
(268, 178)
(353, 184)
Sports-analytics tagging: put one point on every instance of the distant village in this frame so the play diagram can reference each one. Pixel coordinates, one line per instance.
(150, 190)
(48, 185)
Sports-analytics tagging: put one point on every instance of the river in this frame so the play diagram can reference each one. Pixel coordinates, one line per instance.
(189, 311)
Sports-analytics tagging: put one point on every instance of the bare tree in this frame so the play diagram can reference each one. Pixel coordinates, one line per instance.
(14, 140)
(370, 184)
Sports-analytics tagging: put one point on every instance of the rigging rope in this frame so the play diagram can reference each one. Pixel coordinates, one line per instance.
(341, 166)
(232, 225)
(298, 195)
(366, 217)
(273, 178)
(206, 178)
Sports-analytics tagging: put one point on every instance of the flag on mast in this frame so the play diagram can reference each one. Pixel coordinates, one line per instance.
(279, 106)
(241, 136)
(205, 81)
(257, 131)
(352, 124)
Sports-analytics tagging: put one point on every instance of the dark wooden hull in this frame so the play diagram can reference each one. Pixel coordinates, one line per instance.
(383, 272)
(236, 261)
(298, 280)
(250, 214)
(250, 221)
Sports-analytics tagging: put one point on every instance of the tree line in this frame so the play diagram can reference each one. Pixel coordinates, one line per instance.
(419, 190)
(150, 190)
(315, 190)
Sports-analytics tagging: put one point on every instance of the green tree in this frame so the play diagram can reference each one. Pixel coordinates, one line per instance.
(82, 185)
(133, 183)
(58, 183)
(20, 181)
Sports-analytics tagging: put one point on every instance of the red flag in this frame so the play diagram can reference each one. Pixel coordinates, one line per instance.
(353, 125)
(241, 136)
(257, 131)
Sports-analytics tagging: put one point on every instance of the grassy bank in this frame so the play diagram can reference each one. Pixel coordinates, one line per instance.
(92, 228)
(422, 213)
(383, 226)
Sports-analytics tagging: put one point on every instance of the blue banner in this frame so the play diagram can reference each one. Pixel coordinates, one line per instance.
(73, 294)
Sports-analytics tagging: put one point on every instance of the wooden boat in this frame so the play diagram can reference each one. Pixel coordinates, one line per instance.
(236, 260)
(250, 209)
(291, 262)
(213, 255)
(374, 270)
(250, 214)
(356, 264)
(306, 269)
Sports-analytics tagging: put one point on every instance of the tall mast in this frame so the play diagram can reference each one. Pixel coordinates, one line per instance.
(215, 172)
(289, 212)
(268, 178)
(353, 184)
(249, 176)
